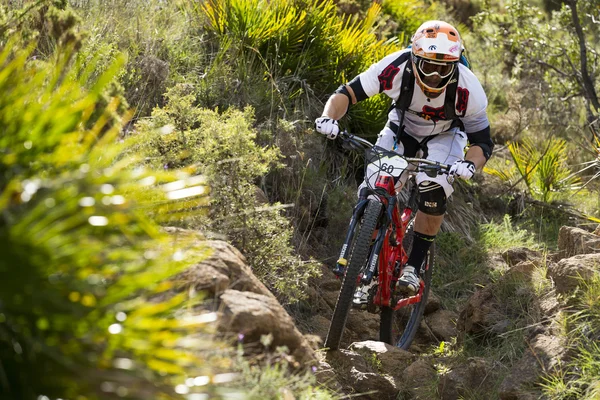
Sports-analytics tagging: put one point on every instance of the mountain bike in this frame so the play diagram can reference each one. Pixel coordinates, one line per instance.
(378, 242)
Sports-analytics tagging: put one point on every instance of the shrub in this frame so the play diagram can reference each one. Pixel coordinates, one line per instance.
(224, 148)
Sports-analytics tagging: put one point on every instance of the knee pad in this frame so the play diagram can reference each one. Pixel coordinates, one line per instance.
(432, 198)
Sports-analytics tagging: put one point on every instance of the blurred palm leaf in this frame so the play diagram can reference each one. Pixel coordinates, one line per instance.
(86, 308)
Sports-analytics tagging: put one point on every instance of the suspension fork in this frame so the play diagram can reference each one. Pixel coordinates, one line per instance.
(379, 253)
(359, 209)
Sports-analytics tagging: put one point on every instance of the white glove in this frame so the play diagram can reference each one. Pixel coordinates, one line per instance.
(463, 169)
(327, 126)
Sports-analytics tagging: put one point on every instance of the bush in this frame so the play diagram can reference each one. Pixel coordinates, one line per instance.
(224, 148)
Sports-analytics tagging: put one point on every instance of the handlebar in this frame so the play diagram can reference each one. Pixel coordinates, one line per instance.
(358, 142)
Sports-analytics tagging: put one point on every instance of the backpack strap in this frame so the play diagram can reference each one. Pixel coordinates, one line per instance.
(450, 102)
(405, 97)
(407, 89)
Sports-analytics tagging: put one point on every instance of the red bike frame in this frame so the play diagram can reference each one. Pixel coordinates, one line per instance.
(393, 254)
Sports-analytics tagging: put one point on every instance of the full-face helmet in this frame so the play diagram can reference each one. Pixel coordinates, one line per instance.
(436, 48)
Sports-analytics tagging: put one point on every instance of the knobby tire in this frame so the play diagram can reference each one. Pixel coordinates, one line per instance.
(357, 259)
(386, 325)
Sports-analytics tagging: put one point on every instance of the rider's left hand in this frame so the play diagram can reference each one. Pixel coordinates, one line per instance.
(464, 169)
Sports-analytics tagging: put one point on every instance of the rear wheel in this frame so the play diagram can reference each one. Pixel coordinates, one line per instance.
(409, 316)
(358, 258)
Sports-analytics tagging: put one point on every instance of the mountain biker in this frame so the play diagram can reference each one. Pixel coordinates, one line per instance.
(437, 114)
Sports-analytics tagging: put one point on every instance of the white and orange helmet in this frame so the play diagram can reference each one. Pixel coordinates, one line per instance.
(436, 48)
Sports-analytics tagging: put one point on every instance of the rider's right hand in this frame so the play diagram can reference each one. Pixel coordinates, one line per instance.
(327, 126)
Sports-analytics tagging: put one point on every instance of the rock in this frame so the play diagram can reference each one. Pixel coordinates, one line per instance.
(319, 325)
(330, 297)
(360, 375)
(370, 385)
(206, 278)
(573, 241)
(475, 376)
(523, 269)
(567, 271)
(326, 376)
(433, 303)
(391, 359)
(518, 254)
(544, 353)
(417, 379)
(364, 325)
(343, 360)
(443, 324)
(254, 315)
(225, 267)
(481, 312)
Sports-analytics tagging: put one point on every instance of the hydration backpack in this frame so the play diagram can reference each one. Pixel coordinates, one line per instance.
(408, 86)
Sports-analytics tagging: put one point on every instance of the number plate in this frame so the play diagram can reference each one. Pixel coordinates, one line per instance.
(387, 165)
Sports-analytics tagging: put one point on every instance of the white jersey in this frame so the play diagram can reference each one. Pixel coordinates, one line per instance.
(471, 101)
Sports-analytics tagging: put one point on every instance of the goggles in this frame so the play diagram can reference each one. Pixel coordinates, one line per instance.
(430, 68)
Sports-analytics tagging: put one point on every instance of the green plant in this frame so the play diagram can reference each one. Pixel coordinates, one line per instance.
(502, 236)
(88, 306)
(224, 148)
(303, 49)
(578, 378)
(545, 173)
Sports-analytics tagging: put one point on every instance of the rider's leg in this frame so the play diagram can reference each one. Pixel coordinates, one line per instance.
(432, 207)
(433, 194)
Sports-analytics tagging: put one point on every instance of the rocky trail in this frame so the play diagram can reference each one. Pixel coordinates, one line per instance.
(368, 369)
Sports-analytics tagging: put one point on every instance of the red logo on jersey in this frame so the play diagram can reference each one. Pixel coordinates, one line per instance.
(434, 114)
(387, 77)
(462, 101)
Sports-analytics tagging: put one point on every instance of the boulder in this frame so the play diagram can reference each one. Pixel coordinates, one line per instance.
(249, 315)
(318, 325)
(370, 385)
(364, 325)
(325, 376)
(330, 297)
(224, 268)
(523, 269)
(573, 241)
(567, 272)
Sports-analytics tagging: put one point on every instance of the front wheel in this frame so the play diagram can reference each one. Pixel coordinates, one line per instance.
(358, 257)
(409, 316)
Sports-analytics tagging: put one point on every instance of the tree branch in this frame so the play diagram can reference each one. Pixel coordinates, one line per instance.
(588, 83)
(570, 96)
(562, 73)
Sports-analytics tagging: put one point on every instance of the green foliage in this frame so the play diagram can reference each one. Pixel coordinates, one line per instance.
(502, 236)
(543, 54)
(578, 379)
(301, 48)
(160, 48)
(274, 381)
(408, 15)
(544, 172)
(86, 309)
(224, 148)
